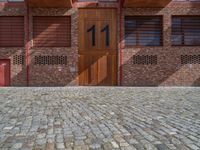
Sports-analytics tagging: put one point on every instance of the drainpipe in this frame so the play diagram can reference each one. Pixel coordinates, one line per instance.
(27, 42)
(121, 39)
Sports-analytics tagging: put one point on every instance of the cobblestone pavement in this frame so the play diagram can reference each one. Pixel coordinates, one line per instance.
(100, 118)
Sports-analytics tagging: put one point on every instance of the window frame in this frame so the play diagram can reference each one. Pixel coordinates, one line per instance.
(137, 38)
(24, 33)
(182, 33)
(33, 33)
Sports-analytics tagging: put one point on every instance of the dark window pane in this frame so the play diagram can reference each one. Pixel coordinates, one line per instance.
(143, 31)
(186, 30)
(177, 39)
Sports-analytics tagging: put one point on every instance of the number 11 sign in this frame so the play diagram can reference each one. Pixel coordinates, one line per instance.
(92, 31)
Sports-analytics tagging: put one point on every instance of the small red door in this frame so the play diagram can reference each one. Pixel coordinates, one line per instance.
(4, 73)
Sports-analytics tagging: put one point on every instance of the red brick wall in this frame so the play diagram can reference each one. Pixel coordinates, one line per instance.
(55, 75)
(46, 75)
(18, 72)
(169, 71)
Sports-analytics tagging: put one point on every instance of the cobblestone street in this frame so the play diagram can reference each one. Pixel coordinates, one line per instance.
(100, 118)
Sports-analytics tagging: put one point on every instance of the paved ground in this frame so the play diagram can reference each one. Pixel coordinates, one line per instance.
(100, 118)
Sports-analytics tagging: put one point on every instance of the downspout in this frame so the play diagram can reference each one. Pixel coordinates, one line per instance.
(121, 39)
(27, 42)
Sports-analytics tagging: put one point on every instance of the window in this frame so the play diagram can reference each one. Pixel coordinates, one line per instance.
(11, 31)
(143, 31)
(186, 30)
(52, 31)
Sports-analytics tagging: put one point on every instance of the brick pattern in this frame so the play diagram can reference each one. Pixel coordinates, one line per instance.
(59, 75)
(169, 71)
(18, 72)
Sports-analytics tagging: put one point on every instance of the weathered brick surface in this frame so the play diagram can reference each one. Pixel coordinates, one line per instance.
(49, 75)
(46, 75)
(18, 72)
(169, 71)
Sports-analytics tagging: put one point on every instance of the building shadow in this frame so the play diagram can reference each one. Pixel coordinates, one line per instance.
(169, 70)
(43, 73)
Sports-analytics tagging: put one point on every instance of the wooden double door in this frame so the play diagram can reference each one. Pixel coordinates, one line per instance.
(97, 47)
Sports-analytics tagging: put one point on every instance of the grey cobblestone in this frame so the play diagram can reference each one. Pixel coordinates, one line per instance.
(100, 118)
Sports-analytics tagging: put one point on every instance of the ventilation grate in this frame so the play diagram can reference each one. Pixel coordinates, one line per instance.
(145, 60)
(18, 60)
(190, 59)
(50, 60)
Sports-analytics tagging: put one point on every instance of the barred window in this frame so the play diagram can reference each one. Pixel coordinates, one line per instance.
(50, 31)
(11, 31)
(185, 30)
(143, 31)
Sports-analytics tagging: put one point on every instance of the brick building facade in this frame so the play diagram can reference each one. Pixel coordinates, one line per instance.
(105, 42)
